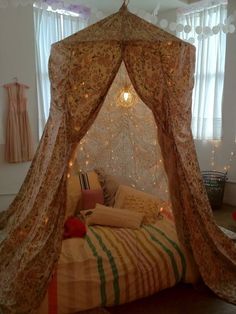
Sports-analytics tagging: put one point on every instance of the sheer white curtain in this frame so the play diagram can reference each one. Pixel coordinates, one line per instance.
(210, 65)
(50, 27)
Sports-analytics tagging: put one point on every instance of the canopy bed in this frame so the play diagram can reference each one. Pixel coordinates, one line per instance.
(82, 70)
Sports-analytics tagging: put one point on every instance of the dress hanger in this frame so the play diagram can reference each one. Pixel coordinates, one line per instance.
(15, 82)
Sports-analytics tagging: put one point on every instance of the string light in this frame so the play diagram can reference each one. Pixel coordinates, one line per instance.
(96, 15)
(227, 167)
(117, 142)
(215, 145)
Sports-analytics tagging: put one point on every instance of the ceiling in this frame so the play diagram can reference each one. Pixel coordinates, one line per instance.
(110, 6)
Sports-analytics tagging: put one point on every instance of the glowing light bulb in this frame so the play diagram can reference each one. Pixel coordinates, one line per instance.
(126, 96)
(70, 164)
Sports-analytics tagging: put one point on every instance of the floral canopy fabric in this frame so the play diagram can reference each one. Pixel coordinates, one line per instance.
(82, 69)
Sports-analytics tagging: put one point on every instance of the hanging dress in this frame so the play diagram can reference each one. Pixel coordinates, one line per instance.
(19, 144)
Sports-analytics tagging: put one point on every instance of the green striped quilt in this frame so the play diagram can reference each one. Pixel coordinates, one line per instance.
(112, 266)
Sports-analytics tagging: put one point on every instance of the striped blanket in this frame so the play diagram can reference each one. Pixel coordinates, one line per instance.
(112, 266)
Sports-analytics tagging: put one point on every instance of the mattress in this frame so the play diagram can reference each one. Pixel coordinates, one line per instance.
(111, 266)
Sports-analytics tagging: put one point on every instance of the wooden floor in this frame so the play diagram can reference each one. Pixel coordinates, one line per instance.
(183, 298)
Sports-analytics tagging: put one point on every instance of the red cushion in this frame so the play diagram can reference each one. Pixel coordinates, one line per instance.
(91, 197)
(74, 228)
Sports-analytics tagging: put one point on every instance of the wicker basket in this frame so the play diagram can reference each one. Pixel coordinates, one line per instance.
(214, 182)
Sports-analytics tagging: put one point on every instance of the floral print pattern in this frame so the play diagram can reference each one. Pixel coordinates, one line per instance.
(82, 68)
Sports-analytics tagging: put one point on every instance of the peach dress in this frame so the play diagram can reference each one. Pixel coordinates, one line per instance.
(19, 144)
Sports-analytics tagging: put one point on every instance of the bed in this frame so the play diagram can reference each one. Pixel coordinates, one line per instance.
(111, 266)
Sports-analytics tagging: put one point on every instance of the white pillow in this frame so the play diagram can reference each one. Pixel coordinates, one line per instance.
(114, 217)
(138, 201)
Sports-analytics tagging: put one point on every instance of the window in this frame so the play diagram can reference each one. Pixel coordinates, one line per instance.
(208, 35)
(50, 27)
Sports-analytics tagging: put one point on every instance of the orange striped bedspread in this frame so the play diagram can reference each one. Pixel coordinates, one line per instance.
(111, 266)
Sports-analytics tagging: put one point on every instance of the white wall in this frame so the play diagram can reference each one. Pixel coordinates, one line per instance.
(17, 58)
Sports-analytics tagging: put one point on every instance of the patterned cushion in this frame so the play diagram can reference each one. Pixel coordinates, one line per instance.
(115, 217)
(110, 184)
(132, 199)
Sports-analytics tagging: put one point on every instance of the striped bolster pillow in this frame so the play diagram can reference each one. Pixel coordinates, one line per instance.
(77, 182)
(89, 180)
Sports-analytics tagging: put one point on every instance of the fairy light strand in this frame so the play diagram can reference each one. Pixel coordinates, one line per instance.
(120, 142)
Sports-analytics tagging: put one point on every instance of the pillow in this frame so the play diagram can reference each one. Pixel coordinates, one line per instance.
(138, 201)
(91, 197)
(75, 183)
(115, 217)
(110, 184)
(74, 228)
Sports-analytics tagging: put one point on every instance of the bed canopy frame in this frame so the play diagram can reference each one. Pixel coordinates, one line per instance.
(82, 69)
